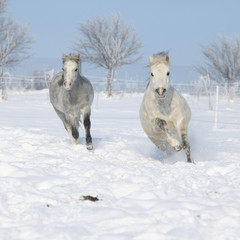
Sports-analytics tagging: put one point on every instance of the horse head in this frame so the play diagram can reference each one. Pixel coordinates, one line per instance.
(70, 69)
(160, 73)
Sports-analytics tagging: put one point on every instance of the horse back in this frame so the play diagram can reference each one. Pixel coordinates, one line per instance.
(88, 87)
(57, 79)
(180, 104)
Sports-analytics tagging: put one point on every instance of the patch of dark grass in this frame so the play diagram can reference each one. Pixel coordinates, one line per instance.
(89, 198)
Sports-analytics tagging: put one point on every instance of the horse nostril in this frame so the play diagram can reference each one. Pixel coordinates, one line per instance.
(67, 84)
(161, 91)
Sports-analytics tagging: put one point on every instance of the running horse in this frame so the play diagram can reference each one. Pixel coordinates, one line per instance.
(71, 95)
(164, 113)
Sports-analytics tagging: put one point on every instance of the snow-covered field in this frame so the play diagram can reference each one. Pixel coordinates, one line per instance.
(142, 193)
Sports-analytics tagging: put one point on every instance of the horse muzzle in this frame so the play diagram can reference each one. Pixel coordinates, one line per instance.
(67, 85)
(161, 92)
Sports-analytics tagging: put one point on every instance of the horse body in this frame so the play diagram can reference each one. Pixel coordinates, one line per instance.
(164, 113)
(71, 95)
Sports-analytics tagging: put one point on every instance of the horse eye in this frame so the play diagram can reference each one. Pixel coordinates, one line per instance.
(168, 73)
(76, 69)
(152, 74)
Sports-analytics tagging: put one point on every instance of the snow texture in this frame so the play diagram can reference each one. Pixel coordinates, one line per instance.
(142, 193)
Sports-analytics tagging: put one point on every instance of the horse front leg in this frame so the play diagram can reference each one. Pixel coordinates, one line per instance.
(171, 136)
(72, 128)
(73, 133)
(87, 126)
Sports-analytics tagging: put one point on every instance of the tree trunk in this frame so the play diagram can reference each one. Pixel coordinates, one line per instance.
(113, 74)
(208, 89)
(3, 85)
(231, 90)
(109, 83)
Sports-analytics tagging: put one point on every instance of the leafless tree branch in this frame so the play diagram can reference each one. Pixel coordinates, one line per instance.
(108, 44)
(14, 44)
(222, 60)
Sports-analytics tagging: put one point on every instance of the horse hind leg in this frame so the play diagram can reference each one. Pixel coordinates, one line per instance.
(186, 148)
(87, 126)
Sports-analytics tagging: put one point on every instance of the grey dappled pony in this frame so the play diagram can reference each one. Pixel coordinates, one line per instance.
(71, 95)
(164, 112)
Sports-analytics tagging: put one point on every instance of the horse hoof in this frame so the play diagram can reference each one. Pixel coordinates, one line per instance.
(177, 148)
(191, 161)
(75, 141)
(89, 147)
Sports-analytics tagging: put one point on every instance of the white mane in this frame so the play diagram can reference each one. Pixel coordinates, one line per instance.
(158, 58)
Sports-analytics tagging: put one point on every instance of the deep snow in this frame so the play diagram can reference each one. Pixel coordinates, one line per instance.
(143, 194)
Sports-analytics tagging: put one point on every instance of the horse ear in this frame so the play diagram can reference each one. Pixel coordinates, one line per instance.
(78, 57)
(150, 59)
(167, 59)
(63, 56)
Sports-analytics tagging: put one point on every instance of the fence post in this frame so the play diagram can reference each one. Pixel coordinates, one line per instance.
(216, 108)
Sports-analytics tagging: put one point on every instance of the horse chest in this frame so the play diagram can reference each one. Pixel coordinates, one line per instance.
(70, 103)
(161, 109)
(164, 109)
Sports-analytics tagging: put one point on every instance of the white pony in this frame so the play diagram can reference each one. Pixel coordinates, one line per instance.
(164, 112)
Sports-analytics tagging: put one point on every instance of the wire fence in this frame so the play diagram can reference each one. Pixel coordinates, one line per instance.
(201, 87)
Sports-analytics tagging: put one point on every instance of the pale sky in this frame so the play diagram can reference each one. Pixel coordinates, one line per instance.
(179, 26)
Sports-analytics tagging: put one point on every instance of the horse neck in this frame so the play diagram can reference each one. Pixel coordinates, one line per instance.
(165, 103)
(78, 80)
(75, 88)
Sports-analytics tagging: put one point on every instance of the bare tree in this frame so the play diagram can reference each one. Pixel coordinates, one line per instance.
(108, 44)
(222, 61)
(2, 5)
(14, 44)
